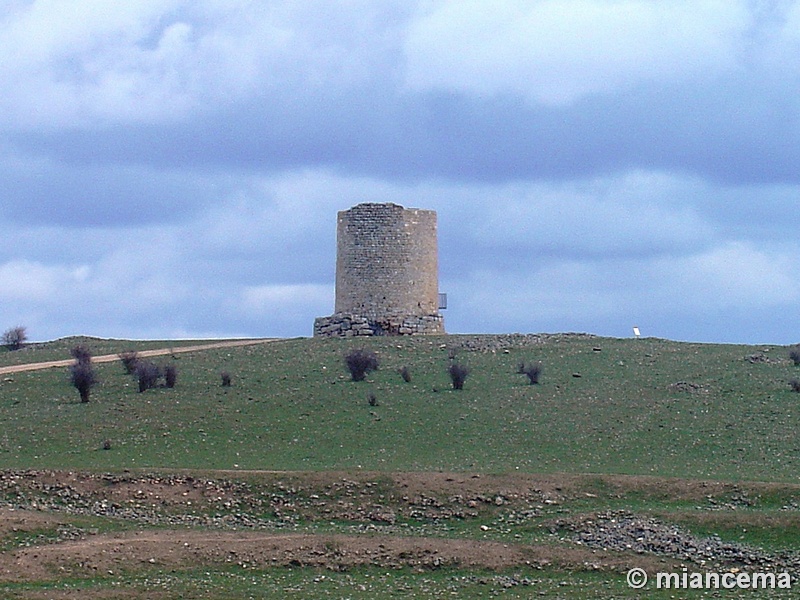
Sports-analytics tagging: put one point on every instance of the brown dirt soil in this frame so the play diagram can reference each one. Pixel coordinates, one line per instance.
(13, 521)
(50, 500)
(144, 354)
(177, 549)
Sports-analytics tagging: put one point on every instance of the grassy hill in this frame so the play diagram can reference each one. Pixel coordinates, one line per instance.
(290, 484)
(626, 406)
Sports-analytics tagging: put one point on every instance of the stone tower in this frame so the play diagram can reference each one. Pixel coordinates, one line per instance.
(387, 276)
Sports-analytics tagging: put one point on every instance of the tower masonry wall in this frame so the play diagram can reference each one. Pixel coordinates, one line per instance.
(387, 278)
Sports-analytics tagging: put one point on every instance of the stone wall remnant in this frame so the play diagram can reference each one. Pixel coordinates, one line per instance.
(387, 279)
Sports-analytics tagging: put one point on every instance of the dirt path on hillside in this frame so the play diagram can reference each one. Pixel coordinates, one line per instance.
(143, 353)
(181, 549)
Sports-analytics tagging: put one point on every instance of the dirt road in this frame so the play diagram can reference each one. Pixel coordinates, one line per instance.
(144, 353)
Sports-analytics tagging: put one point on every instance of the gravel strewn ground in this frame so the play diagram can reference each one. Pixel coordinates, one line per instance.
(623, 531)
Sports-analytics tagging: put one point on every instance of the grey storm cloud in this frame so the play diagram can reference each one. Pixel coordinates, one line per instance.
(461, 138)
(593, 163)
(712, 100)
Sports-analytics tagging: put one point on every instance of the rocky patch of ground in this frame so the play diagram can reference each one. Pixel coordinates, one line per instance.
(626, 532)
(500, 342)
(337, 521)
(275, 500)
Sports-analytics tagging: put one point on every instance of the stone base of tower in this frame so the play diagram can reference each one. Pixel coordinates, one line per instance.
(349, 325)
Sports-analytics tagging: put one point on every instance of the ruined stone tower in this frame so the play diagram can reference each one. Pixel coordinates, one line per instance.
(387, 278)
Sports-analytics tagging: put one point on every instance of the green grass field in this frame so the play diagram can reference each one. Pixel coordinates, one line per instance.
(604, 407)
(647, 407)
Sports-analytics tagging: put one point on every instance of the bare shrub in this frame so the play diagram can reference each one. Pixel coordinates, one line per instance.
(147, 375)
(405, 374)
(360, 362)
(458, 375)
(795, 385)
(533, 371)
(170, 375)
(129, 359)
(226, 379)
(794, 354)
(81, 353)
(83, 378)
(15, 338)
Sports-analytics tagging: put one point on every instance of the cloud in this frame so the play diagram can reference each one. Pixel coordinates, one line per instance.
(41, 191)
(251, 263)
(27, 281)
(593, 163)
(263, 298)
(748, 292)
(636, 214)
(735, 274)
(595, 255)
(556, 52)
(103, 63)
(250, 88)
(143, 61)
(283, 309)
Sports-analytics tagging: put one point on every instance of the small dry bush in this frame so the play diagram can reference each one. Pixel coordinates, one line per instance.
(170, 375)
(458, 375)
(83, 378)
(129, 359)
(361, 361)
(533, 371)
(15, 338)
(794, 354)
(147, 374)
(81, 353)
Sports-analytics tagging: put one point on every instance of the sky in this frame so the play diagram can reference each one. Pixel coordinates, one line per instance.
(173, 168)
